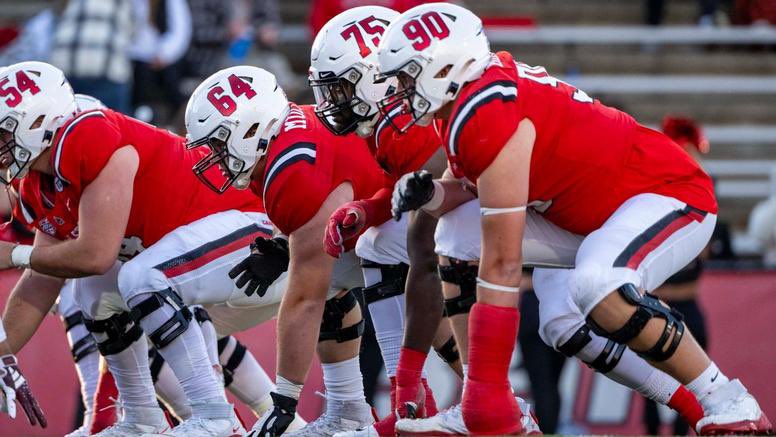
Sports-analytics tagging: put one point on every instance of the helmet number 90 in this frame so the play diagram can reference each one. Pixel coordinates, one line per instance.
(421, 30)
(224, 102)
(14, 94)
(372, 26)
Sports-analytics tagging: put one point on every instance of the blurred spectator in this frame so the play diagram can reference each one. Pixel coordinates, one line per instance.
(29, 42)
(91, 46)
(707, 9)
(754, 12)
(211, 23)
(162, 36)
(762, 227)
(321, 11)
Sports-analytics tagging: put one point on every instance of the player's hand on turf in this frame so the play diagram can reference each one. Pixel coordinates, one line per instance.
(14, 388)
(275, 420)
(345, 223)
(267, 261)
(411, 191)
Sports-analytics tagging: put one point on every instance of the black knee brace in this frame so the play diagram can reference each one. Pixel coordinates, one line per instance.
(234, 359)
(392, 283)
(331, 323)
(155, 362)
(449, 351)
(83, 346)
(605, 362)
(172, 328)
(647, 307)
(464, 275)
(119, 329)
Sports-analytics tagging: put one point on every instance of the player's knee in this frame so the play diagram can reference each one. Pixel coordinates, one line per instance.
(464, 275)
(166, 314)
(82, 343)
(647, 307)
(589, 285)
(383, 280)
(115, 333)
(332, 323)
(135, 277)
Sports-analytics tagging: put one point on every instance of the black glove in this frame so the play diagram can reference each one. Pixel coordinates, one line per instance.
(275, 420)
(411, 191)
(267, 261)
(13, 387)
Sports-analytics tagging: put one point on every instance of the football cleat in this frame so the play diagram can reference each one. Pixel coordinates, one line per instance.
(80, 432)
(340, 416)
(156, 423)
(201, 427)
(729, 410)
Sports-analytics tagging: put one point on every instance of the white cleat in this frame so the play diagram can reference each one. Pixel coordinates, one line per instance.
(200, 427)
(80, 432)
(340, 416)
(367, 431)
(730, 409)
(450, 423)
(155, 423)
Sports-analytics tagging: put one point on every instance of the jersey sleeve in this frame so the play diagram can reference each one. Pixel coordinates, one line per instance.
(404, 153)
(84, 148)
(482, 125)
(293, 188)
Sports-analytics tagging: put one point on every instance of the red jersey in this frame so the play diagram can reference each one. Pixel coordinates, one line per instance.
(306, 162)
(166, 193)
(587, 158)
(399, 154)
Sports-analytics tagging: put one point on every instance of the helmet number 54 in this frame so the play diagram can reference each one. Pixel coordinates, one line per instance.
(14, 94)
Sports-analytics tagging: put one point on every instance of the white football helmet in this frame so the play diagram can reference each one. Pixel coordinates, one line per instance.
(434, 49)
(236, 112)
(88, 103)
(343, 67)
(35, 100)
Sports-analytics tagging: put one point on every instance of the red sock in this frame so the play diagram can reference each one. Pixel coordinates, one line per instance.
(104, 413)
(387, 425)
(686, 404)
(489, 407)
(431, 407)
(408, 385)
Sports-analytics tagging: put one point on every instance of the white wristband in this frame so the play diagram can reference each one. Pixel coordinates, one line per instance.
(485, 284)
(436, 199)
(20, 256)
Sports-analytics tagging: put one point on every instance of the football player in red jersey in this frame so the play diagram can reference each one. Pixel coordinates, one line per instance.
(303, 173)
(529, 140)
(114, 175)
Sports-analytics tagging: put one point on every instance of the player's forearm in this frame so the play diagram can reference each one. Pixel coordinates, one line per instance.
(456, 193)
(423, 289)
(501, 263)
(29, 302)
(72, 259)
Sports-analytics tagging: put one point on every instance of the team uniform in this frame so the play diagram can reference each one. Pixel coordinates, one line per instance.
(631, 191)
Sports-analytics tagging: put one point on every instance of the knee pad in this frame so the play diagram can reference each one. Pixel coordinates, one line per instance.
(464, 275)
(331, 323)
(449, 351)
(647, 307)
(174, 326)
(605, 362)
(119, 332)
(234, 360)
(84, 345)
(393, 278)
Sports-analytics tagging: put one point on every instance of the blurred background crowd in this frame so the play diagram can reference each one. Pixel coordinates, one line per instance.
(703, 71)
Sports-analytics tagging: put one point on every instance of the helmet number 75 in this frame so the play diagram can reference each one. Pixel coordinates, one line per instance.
(421, 30)
(14, 94)
(372, 26)
(224, 102)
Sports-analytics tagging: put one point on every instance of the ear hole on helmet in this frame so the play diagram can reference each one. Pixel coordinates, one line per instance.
(441, 74)
(37, 123)
(252, 131)
(36, 73)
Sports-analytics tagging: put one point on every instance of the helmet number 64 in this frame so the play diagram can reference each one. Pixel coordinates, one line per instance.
(224, 102)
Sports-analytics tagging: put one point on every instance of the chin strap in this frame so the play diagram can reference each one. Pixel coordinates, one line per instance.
(493, 211)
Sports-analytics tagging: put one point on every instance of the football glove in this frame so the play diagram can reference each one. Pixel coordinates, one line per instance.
(14, 388)
(345, 223)
(411, 191)
(267, 261)
(274, 421)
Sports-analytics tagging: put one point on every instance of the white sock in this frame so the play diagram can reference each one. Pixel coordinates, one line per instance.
(288, 388)
(343, 380)
(708, 381)
(187, 356)
(388, 320)
(88, 369)
(171, 393)
(465, 367)
(133, 377)
(633, 371)
(250, 383)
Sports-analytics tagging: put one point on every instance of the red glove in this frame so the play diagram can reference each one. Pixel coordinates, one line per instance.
(685, 131)
(349, 220)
